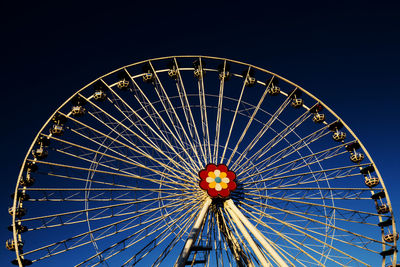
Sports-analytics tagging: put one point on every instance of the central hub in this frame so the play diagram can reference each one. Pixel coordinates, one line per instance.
(217, 180)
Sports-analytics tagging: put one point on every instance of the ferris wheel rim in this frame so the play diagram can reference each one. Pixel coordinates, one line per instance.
(205, 57)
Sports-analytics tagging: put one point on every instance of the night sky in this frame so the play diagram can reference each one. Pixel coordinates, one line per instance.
(345, 54)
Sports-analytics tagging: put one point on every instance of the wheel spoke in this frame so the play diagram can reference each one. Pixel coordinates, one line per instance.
(234, 116)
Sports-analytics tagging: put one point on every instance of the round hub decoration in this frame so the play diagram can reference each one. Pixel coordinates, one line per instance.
(217, 180)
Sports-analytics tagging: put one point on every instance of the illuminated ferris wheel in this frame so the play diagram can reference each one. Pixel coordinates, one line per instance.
(199, 161)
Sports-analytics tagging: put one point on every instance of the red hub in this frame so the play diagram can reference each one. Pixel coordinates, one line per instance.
(217, 180)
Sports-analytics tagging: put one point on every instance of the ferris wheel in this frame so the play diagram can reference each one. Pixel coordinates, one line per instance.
(199, 161)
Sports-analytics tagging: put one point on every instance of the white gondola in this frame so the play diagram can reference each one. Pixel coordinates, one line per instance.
(371, 182)
(99, 95)
(173, 73)
(123, 84)
(390, 237)
(77, 111)
(57, 130)
(10, 245)
(318, 118)
(356, 157)
(148, 77)
(39, 153)
(274, 90)
(297, 102)
(199, 72)
(339, 136)
(19, 212)
(383, 209)
(250, 81)
(224, 75)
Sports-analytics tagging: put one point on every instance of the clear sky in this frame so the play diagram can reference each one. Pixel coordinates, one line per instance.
(346, 54)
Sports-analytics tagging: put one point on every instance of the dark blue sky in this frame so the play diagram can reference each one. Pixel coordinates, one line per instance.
(346, 54)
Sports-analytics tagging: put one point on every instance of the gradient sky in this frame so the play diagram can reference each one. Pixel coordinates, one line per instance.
(345, 54)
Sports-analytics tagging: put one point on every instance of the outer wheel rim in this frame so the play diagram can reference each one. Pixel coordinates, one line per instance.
(304, 91)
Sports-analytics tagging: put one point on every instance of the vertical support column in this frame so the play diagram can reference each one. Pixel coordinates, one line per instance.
(231, 206)
(240, 257)
(247, 236)
(181, 261)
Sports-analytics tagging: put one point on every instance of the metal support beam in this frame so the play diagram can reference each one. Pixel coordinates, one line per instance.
(230, 206)
(238, 253)
(240, 257)
(247, 236)
(194, 233)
